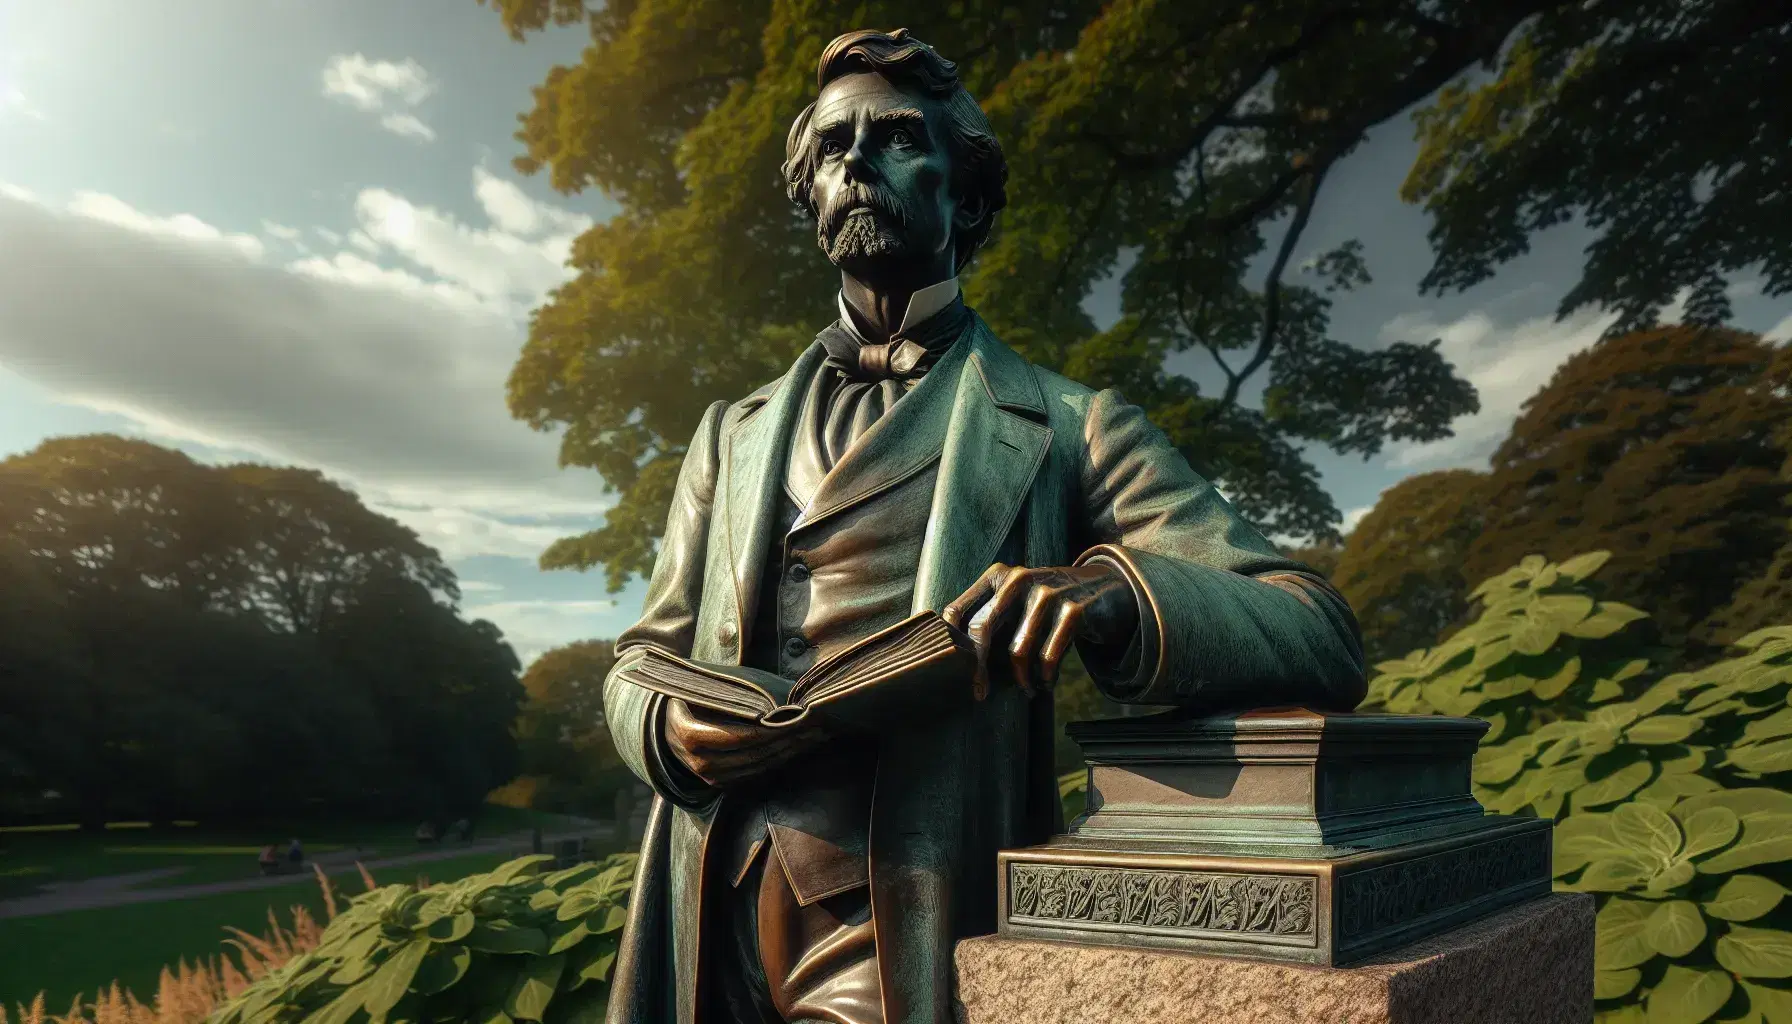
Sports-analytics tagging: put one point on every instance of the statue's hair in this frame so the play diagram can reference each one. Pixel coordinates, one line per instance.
(979, 169)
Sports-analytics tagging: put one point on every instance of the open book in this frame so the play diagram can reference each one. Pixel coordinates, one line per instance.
(920, 662)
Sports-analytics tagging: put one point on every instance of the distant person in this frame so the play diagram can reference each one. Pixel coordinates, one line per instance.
(463, 829)
(295, 854)
(426, 833)
(270, 859)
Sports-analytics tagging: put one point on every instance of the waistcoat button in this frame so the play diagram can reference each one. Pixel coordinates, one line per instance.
(795, 647)
(727, 634)
(799, 572)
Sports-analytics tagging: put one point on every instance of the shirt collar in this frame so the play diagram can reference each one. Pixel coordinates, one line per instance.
(921, 305)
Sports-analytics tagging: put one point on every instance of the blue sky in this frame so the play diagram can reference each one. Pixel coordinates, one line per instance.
(288, 230)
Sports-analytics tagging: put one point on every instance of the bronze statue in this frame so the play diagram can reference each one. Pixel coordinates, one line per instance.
(910, 461)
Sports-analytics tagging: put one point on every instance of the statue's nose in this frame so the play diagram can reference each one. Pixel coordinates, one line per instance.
(856, 162)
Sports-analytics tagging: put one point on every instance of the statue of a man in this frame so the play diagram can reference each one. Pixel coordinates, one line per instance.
(910, 461)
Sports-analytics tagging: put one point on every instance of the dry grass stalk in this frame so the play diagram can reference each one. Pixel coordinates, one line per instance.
(187, 993)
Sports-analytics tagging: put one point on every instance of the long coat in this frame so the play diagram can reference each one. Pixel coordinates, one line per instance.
(1027, 461)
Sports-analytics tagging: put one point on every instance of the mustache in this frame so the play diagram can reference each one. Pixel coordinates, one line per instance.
(861, 196)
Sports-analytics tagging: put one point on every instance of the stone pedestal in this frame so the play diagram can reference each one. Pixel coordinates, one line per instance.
(1527, 964)
(1284, 834)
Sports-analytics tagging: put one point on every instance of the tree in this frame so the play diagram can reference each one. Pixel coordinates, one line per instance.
(310, 542)
(1401, 569)
(179, 639)
(1665, 447)
(42, 679)
(113, 512)
(1169, 143)
(1661, 124)
(561, 732)
(444, 691)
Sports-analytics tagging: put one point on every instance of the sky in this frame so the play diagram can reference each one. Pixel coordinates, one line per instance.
(288, 231)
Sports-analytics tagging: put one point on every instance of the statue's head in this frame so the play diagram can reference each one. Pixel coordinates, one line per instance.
(895, 159)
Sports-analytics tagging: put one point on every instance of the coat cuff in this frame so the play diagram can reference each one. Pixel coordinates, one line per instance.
(1128, 671)
(666, 772)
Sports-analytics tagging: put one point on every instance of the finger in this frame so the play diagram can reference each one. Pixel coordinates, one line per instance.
(1042, 603)
(1000, 616)
(960, 610)
(1057, 645)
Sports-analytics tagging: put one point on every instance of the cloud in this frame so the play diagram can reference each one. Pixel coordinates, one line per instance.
(1507, 363)
(388, 88)
(409, 126)
(1781, 331)
(511, 209)
(1354, 516)
(184, 226)
(280, 231)
(388, 378)
(532, 627)
(503, 267)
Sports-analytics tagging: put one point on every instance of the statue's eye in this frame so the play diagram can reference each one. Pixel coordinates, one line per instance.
(831, 147)
(901, 137)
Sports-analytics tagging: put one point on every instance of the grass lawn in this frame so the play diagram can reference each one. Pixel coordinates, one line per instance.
(67, 954)
(30, 858)
(79, 952)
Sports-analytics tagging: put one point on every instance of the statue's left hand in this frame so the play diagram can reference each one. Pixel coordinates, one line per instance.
(1034, 614)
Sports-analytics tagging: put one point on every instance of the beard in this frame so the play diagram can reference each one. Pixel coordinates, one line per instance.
(864, 223)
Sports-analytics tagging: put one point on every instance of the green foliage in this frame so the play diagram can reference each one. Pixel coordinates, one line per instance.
(1401, 568)
(1671, 449)
(1638, 119)
(1670, 790)
(180, 640)
(561, 734)
(511, 945)
(1180, 146)
(1667, 448)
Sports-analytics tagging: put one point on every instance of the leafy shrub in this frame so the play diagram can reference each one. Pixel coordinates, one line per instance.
(1669, 792)
(511, 945)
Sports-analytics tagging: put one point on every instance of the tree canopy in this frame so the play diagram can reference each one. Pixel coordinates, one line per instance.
(179, 640)
(1661, 124)
(1175, 145)
(561, 733)
(1668, 448)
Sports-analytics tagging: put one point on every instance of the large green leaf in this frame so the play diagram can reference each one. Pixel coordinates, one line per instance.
(1707, 829)
(1663, 729)
(1612, 984)
(1744, 898)
(1688, 996)
(499, 936)
(1581, 566)
(534, 987)
(1773, 1004)
(1763, 758)
(1610, 618)
(1756, 952)
(1675, 928)
(1620, 937)
(1616, 786)
(389, 984)
(1646, 828)
(442, 969)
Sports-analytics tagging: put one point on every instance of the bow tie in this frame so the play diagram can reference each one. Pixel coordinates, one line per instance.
(904, 358)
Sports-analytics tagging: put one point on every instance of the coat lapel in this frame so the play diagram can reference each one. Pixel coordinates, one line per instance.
(755, 477)
(995, 442)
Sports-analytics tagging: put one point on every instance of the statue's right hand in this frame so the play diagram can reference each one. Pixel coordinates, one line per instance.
(723, 751)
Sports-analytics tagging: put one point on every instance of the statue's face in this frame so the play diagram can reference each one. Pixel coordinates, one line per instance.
(882, 178)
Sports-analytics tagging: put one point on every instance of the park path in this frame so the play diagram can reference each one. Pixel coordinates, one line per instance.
(117, 891)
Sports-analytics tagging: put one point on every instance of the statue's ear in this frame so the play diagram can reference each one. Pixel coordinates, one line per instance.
(971, 212)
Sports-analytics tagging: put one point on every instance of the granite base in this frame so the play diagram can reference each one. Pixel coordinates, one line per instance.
(1532, 963)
